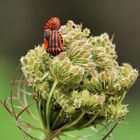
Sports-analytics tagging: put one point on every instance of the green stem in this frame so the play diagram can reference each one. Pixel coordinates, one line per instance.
(105, 137)
(75, 122)
(48, 108)
(56, 120)
(89, 122)
(40, 113)
(123, 96)
(69, 135)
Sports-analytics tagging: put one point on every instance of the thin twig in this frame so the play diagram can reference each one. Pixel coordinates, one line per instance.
(26, 132)
(26, 103)
(57, 132)
(7, 108)
(70, 136)
(13, 110)
(111, 130)
(23, 123)
(15, 74)
(22, 111)
(101, 130)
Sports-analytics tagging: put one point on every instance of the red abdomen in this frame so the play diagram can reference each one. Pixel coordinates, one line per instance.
(54, 44)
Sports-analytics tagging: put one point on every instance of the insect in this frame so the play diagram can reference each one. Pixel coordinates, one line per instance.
(53, 40)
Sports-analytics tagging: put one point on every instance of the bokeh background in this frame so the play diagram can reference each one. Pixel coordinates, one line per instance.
(21, 27)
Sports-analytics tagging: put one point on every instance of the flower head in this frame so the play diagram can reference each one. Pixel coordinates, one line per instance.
(81, 87)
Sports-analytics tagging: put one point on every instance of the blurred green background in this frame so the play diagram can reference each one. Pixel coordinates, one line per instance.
(21, 27)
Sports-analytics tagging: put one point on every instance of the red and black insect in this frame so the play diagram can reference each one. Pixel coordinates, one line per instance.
(53, 40)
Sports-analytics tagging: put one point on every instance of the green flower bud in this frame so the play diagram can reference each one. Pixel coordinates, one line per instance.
(127, 76)
(64, 71)
(64, 101)
(103, 81)
(86, 101)
(79, 53)
(117, 111)
(35, 64)
(103, 51)
(72, 32)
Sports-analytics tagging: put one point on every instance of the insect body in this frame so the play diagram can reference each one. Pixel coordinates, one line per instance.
(52, 38)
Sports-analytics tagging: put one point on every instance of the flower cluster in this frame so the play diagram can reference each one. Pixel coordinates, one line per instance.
(64, 71)
(103, 51)
(35, 68)
(72, 32)
(88, 82)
